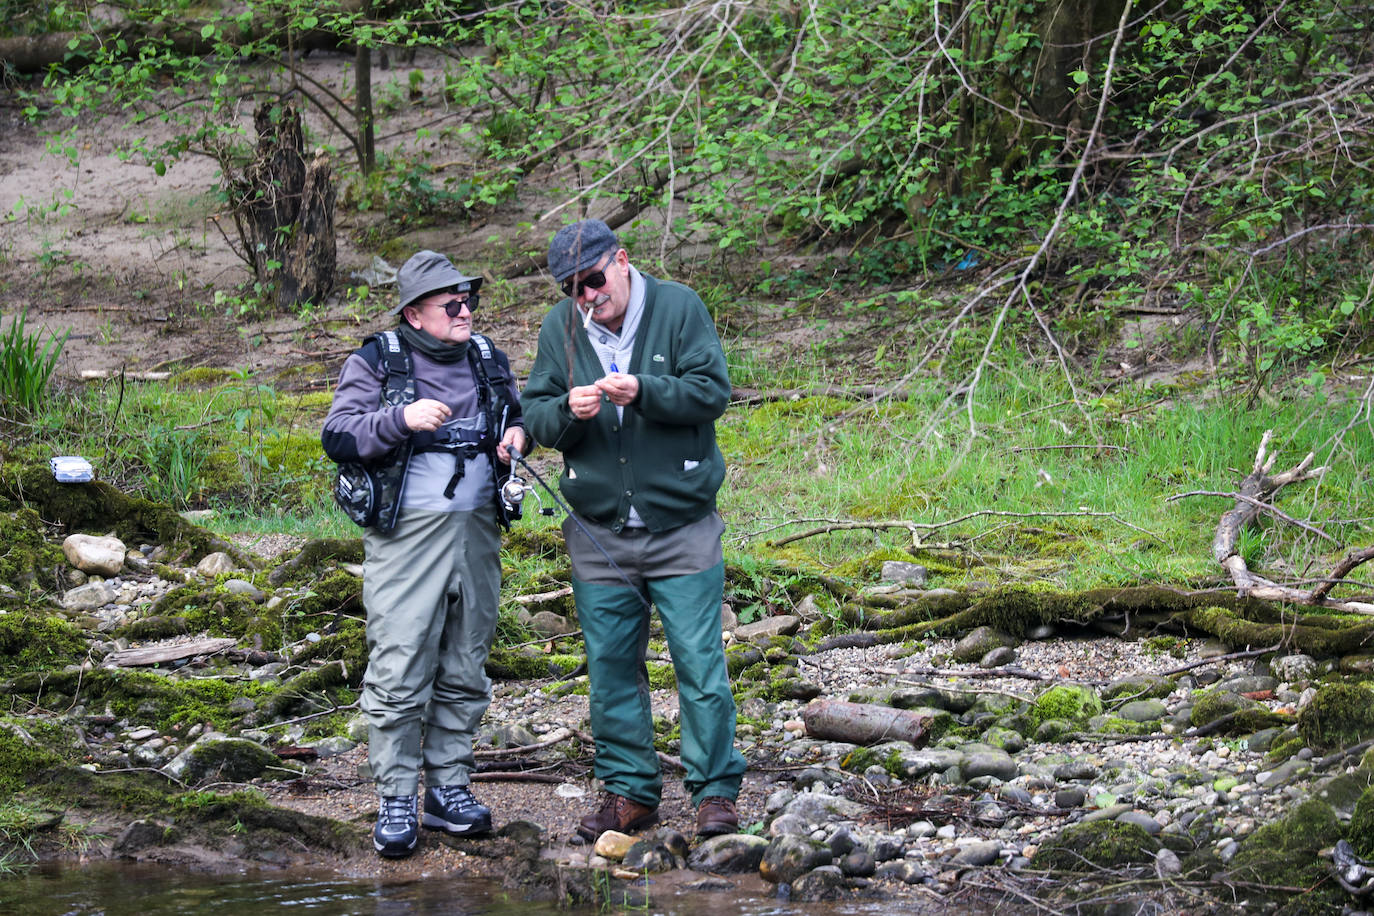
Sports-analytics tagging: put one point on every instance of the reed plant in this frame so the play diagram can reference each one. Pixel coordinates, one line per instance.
(26, 364)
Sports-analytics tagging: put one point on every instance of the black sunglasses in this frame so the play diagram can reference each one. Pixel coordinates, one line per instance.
(454, 307)
(595, 280)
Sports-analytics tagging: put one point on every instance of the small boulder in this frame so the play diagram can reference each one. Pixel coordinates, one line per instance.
(101, 556)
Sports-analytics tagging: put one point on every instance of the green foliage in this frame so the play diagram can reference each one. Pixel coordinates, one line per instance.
(26, 365)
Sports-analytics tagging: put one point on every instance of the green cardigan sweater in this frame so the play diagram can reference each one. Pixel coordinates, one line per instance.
(662, 458)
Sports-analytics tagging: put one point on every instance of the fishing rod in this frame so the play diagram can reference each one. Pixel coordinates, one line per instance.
(514, 490)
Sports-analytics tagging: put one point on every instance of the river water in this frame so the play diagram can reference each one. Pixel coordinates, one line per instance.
(128, 889)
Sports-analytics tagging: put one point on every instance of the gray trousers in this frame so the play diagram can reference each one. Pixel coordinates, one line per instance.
(431, 588)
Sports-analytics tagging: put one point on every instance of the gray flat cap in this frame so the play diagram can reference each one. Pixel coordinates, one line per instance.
(579, 246)
(428, 272)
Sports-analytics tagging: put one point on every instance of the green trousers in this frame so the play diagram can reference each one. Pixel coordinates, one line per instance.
(615, 627)
(431, 588)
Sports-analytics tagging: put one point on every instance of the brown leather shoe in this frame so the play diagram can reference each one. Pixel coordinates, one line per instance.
(717, 815)
(616, 813)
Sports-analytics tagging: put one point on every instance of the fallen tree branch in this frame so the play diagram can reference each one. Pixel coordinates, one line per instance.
(560, 734)
(917, 527)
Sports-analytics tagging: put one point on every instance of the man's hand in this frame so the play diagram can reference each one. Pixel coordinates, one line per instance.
(620, 387)
(514, 436)
(426, 415)
(584, 401)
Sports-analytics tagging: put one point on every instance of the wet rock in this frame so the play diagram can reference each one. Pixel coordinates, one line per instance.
(217, 758)
(956, 702)
(649, 856)
(904, 870)
(1069, 798)
(979, 643)
(826, 882)
(858, 863)
(1077, 769)
(735, 853)
(101, 556)
(789, 857)
(139, 835)
(614, 845)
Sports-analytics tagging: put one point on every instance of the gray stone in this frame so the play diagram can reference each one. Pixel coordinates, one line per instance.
(1167, 863)
(984, 852)
(548, 624)
(1143, 710)
(1248, 683)
(88, 597)
(995, 764)
(978, 643)
(782, 625)
(246, 589)
(819, 808)
(1142, 820)
(917, 697)
(733, 853)
(905, 573)
(1076, 769)
(1002, 655)
(915, 765)
(789, 857)
(214, 564)
(807, 609)
(102, 556)
(1295, 668)
(858, 863)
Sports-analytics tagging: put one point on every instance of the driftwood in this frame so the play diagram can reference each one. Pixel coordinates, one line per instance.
(863, 723)
(153, 655)
(1255, 493)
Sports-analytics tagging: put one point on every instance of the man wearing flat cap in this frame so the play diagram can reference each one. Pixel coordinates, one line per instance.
(627, 384)
(434, 407)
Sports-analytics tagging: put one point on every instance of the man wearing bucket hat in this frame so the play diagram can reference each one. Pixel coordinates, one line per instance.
(432, 571)
(627, 384)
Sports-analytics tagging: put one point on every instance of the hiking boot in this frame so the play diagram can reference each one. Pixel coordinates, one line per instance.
(616, 813)
(452, 808)
(396, 833)
(717, 815)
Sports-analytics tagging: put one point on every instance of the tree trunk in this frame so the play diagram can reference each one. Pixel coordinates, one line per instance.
(284, 210)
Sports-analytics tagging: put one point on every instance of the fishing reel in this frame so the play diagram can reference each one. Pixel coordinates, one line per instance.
(513, 495)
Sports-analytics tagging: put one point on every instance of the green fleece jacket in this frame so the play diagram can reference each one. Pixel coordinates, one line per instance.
(662, 458)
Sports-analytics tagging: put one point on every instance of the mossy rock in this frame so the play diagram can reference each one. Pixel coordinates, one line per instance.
(1094, 845)
(33, 641)
(231, 760)
(1361, 830)
(1138, 687)
(741, 656)
(99, 507)
(21, 758)
(1286, 854)
(28, 557)
(1338, 716)
(661, 676)
(1068, 703)
(1214, 704)
(515, 665)
(153, 628)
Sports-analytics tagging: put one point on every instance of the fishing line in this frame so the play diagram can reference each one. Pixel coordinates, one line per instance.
(520, 459)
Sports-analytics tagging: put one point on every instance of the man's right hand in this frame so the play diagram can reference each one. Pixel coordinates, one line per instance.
(426, 415)
(584, 401)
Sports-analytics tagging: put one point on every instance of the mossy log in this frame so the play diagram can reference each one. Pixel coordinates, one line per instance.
(1239, 622)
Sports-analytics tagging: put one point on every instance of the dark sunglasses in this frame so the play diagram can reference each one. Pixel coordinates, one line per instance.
(454, 307)
(595, 280)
